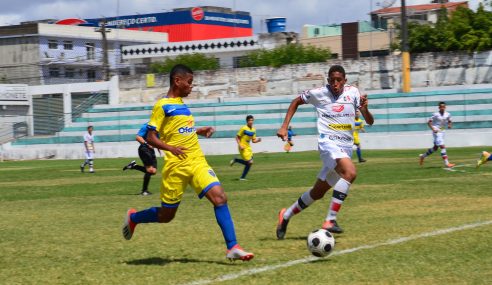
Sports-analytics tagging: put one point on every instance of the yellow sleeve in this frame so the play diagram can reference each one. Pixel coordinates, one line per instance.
(157, 117)
(240, 132)
(254, 136)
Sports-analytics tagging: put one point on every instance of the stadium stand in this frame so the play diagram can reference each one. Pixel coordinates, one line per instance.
(400, 123)
(394, 112)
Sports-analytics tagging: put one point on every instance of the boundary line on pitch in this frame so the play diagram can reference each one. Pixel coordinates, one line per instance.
(257, 270)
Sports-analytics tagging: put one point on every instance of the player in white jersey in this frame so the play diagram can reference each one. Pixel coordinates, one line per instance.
(336, 105)
(437, 123)
(89, 150)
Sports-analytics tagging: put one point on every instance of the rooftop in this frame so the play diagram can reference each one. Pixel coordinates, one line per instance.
(421, 8)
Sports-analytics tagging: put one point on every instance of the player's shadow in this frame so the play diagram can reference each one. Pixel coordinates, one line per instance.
(165, 261)
(287, 238)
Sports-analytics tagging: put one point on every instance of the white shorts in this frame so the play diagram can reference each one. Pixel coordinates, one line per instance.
(329, 153)
(438, 138)
(89, 154)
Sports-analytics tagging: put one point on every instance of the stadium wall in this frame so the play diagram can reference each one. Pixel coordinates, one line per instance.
(414, 140)
(427, 70)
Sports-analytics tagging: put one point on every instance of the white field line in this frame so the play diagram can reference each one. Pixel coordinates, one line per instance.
(453, 169)
(335, 253)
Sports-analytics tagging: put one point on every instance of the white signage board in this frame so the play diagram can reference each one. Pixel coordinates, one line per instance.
(13, 92)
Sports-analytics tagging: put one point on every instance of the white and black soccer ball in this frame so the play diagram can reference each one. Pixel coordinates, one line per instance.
(320, 242)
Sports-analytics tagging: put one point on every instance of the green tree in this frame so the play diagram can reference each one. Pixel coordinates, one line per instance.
(464, 30)
(286, 54)
(195, 61)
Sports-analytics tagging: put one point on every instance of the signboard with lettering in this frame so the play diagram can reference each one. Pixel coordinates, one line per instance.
(13, 92)
(195, 15)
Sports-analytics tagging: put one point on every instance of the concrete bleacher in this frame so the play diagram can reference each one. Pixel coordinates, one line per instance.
(396, 115)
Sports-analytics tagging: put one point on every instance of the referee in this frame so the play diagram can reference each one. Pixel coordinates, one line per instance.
(147, 155)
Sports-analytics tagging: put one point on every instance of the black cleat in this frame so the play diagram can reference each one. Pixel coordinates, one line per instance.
(362, 160)
(282, 225)
(81, 169)
(332, 227)
(130, 165)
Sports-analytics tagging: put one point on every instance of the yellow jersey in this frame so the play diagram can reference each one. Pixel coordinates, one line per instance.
(246, 134)
(172, 119)
(359, 124)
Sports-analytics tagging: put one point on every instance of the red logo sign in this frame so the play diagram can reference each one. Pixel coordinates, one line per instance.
(337, 108)
(197, 13)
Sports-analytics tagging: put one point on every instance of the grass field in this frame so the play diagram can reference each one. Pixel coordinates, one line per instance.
(59, 226)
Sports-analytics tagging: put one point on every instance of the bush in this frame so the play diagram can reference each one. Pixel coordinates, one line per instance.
(195, 61)
(286, 54)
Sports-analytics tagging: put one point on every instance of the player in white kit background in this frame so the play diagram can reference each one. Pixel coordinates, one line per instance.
(437, 123)
(336, 104)
(89, 150)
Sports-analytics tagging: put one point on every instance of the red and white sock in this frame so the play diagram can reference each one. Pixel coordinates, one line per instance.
(444, 156)
(340, 192)
(302, 203)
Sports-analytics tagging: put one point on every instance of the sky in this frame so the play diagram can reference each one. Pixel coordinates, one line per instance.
(297, 12)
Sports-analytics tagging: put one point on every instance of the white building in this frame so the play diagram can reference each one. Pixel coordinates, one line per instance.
(40, 53)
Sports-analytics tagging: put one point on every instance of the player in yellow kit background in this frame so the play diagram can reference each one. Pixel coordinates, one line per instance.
(358, 127)
(185, 164)
(244, 136)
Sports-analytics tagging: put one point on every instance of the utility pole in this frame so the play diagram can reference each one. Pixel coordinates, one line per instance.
(405, 50)
(102, 29)
(370, 45)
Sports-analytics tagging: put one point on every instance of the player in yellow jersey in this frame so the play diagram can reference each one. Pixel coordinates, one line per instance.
(185, 164)
(245, 135)
(358, 127)
(484, 158)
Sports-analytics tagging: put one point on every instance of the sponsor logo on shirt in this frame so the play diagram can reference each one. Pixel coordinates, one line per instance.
(190, 128)
(340, 138)
(337, 108)
(340, 127)
(336, 115)
(212, 173)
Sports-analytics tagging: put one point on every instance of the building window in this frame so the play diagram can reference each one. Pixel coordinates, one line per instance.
(54, 72)
(91, 50)
(316, 32)
(68, 45)
(52, 44)
(91, 75)
(69, 73)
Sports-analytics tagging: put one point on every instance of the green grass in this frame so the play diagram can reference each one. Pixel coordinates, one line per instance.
(59, 226)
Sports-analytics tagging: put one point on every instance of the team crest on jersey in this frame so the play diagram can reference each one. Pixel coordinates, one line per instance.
(212, 173)
(337, 108)
(346, 98)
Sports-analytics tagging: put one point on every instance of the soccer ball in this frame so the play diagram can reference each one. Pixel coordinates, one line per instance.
(320, 242)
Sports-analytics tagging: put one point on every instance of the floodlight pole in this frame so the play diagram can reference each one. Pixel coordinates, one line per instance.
(405, 50)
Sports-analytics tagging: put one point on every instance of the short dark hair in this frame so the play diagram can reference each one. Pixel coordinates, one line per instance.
(441, 103)
(178, 69)
(90, 127)
(248, 117)
(336, 68)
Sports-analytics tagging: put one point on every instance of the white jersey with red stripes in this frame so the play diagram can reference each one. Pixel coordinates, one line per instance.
(440, 121)
(336, 114)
